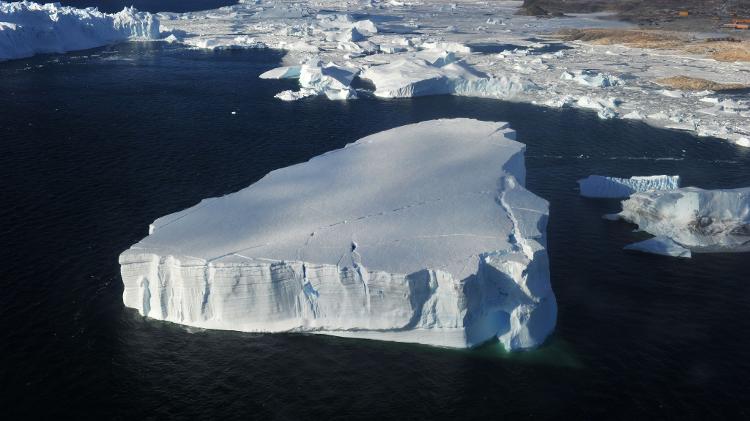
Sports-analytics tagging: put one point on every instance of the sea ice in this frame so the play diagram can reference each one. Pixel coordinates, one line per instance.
(613, 187)
(236, 43)
(703, 221)
(592, 79)
(605, 108)
(423, 234)
(613, 81)
(28, 28)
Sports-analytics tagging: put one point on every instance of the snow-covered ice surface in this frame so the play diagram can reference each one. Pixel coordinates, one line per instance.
(423, 234)
(423, 48)
(28, 28)
(702, 221)
(613, 187)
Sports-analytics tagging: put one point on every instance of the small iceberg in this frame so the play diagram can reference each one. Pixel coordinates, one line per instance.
(698, 220)
(597, 186)
(664, 246)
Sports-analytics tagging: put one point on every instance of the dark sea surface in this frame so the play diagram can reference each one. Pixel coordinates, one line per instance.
(95, 145)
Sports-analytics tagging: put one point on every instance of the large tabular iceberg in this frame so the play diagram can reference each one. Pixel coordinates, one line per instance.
(28, 28)
(692, 218)
(423, 233)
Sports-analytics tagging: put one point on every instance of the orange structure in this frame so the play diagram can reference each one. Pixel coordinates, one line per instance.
(683, 13)
(738, 24)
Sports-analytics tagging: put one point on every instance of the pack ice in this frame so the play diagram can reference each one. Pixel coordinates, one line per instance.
(423, 233)
(473, 48)
(28, 28)
(613, 187)
(691, 219)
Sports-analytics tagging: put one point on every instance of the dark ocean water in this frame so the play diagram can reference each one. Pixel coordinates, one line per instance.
(95, 145)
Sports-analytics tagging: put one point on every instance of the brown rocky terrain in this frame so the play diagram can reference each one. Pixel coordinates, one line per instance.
(722, 49)
(687, 83)
(703, 15)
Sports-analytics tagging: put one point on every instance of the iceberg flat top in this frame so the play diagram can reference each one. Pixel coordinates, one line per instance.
(420, 196)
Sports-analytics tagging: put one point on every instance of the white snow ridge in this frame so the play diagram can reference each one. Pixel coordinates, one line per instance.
(423, 233)
(28, 28)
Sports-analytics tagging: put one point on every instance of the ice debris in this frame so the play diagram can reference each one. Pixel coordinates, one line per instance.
(592, 79)
(316, 79)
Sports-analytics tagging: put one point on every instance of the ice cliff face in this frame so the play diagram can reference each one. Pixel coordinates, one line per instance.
(613, 187)
(28, 28)
(414, 76)
(423, 233)
(694, 219)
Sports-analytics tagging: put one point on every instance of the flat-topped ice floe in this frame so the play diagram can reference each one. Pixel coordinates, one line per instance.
(423, 233)
(28, 28)
(702, 221)
(612, 187)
